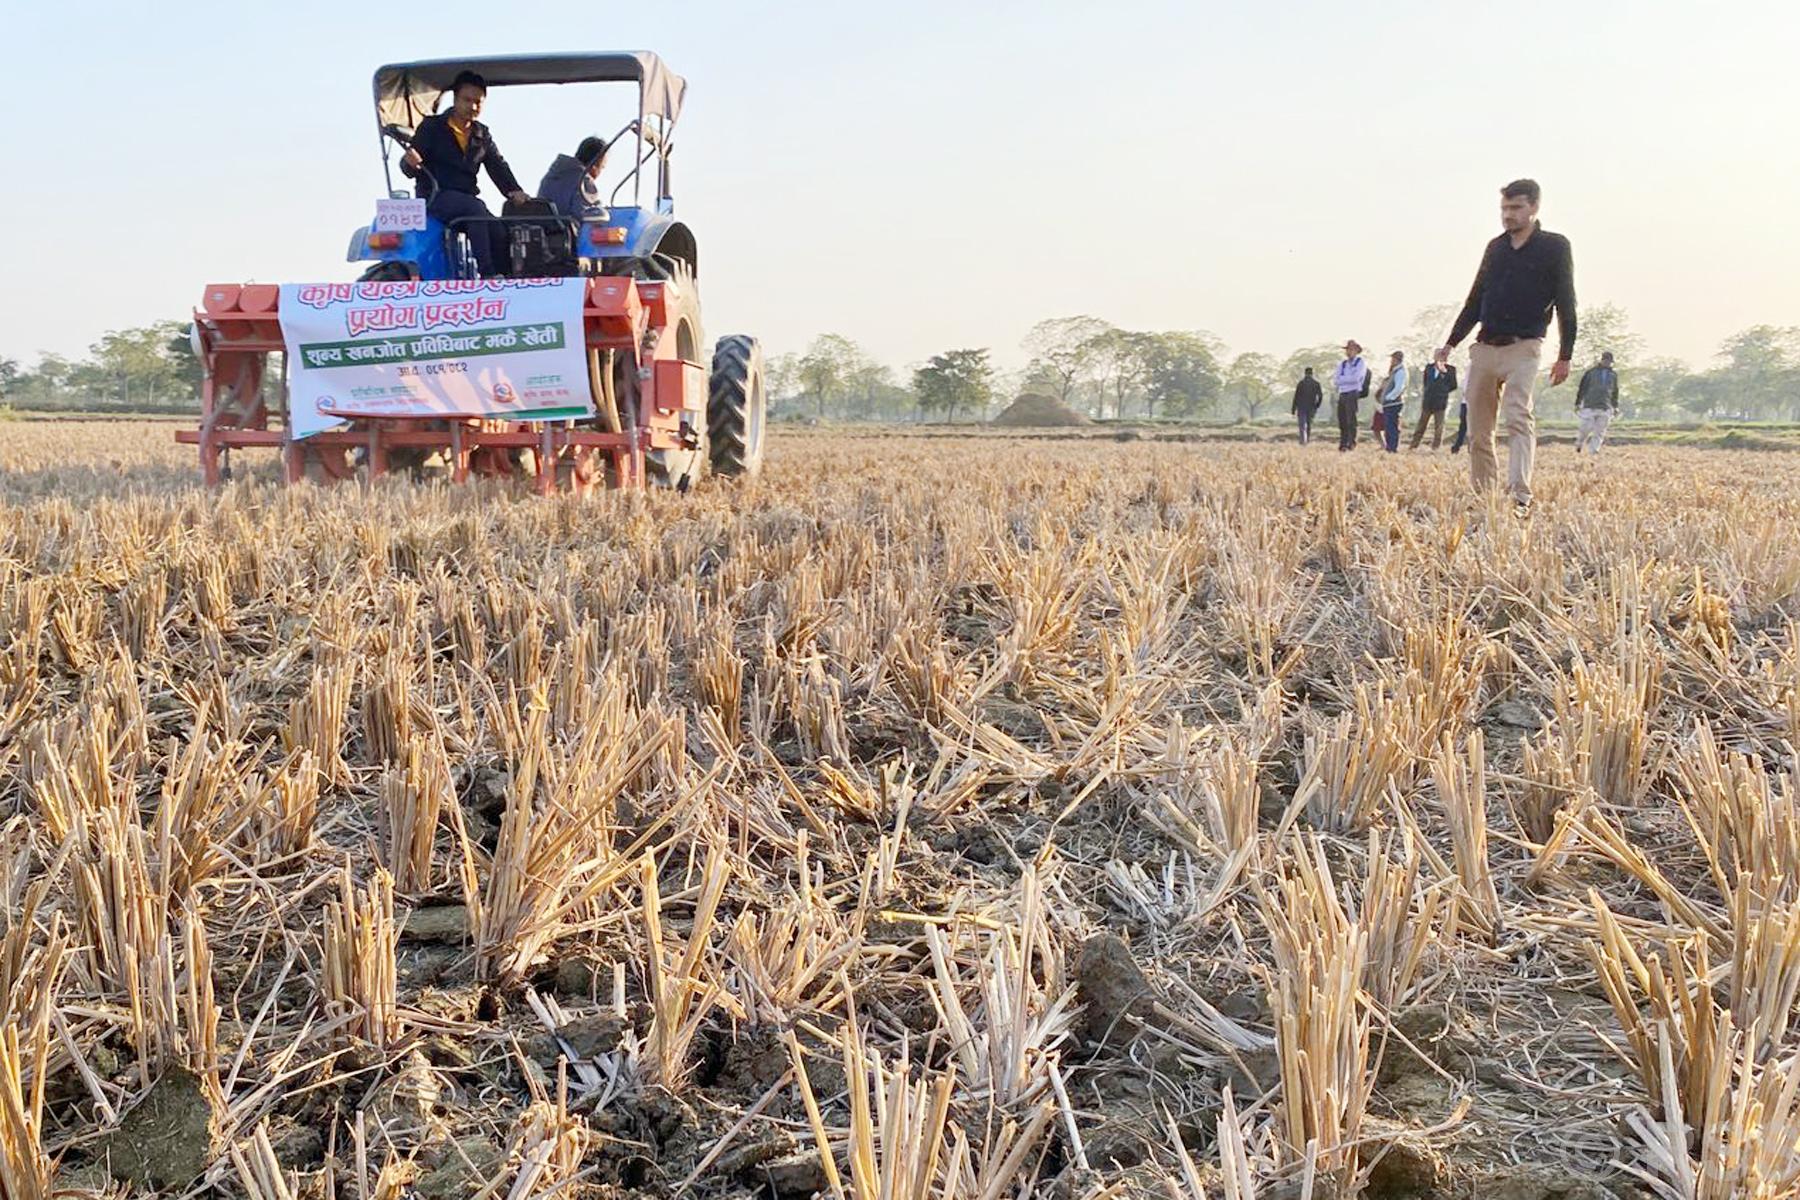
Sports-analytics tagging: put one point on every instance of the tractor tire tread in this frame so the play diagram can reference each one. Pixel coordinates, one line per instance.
(731, 424)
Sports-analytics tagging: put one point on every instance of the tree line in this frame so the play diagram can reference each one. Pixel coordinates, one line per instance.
(1089, 364)
(147, 369)
(1110, 373)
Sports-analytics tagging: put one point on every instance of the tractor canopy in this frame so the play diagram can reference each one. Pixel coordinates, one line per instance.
(407, 93)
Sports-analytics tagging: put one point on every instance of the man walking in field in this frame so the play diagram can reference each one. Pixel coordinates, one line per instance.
(1393, 399)
(1308, 395)
(1525, 273)
(1352, 384)
(1440, 381)
(1596, 403)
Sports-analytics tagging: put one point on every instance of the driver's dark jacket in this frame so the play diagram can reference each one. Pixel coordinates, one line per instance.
(454, 167)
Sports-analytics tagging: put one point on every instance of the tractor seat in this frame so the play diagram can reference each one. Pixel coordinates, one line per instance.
(539, 243)
(530, 208)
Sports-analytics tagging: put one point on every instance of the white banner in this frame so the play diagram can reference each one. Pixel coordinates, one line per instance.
(434, 348)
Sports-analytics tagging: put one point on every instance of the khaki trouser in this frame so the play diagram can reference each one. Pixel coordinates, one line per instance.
(1435, 418)
(1590, 424)
(1500, 379)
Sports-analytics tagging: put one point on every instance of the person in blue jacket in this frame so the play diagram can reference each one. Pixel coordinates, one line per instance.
(448, 152)
(1393, 399)
(572, 182)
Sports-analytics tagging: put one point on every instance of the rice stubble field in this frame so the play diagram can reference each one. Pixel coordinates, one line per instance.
(950, 817)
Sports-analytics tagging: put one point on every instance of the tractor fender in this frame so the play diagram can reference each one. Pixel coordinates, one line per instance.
(676, 240)
(662, 233)
(359, 246)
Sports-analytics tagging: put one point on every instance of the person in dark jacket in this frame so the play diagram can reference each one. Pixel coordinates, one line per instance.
(572, 182)
(1440, 381)
(1308, 395)
(1526, 274)
(1596, 404)
(454, 147)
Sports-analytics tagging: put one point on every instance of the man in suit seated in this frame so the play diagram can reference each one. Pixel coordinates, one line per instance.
(454, 147)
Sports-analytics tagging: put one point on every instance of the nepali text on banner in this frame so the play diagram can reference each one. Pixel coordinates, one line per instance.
(508, 348)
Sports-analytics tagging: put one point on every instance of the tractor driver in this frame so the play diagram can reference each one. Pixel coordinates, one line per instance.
(453, 146)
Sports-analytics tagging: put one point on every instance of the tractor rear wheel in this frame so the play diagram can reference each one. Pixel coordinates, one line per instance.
(736, 407)
(682, 468)
(389, 271)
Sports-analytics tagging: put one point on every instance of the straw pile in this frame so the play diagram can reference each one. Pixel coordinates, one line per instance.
(1034, 411)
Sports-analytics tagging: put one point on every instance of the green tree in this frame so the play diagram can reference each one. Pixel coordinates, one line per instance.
(10, 374)
(781, 375)
(178, 348)
(954, 379)
(1430, 326)
(1656, 388)
(48, 382)
(1182, 376)
(825, 367)
(1250, 381)
(1701, 395)
(135, 365)
(1063, 349)
(1604, 327)
(866, 382)
(892, 402)
(1760, 369)
(1120, 359)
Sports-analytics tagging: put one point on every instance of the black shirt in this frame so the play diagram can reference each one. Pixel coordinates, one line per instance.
(455, 168)
(1308, 394)
(1516, 287)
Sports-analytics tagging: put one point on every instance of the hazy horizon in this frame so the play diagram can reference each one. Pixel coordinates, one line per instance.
(1279, 177)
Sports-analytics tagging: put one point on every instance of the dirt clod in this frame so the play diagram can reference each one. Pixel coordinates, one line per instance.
(799, 1174)
(1408, 1167)
(1517, 714)
(448, 923)
(465, 1166)
(1539, 1183)
(593, 1035)
(1111, 987)
(167, 1140)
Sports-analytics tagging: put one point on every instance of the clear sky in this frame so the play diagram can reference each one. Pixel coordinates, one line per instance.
(931, 175)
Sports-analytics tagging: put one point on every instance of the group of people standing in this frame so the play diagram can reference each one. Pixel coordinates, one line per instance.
(1596, 401)
(1351, 383)
(1526, 275)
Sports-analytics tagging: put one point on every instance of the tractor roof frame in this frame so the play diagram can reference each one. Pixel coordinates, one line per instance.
(407, 93)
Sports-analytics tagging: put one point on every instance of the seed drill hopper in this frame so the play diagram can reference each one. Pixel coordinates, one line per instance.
(660, 413)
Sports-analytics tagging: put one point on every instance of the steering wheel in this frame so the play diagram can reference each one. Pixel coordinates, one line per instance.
(405, 139)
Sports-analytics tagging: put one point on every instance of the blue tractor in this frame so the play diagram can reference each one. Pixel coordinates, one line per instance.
(640, 240)
(643, 240)
(662, 414)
